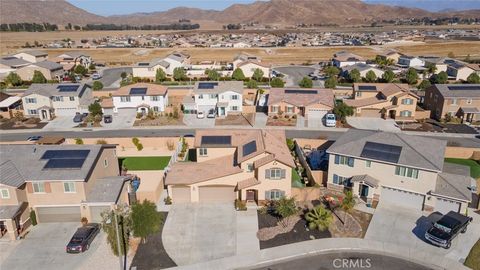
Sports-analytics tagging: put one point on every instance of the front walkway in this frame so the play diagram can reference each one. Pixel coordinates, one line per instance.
(247, 227)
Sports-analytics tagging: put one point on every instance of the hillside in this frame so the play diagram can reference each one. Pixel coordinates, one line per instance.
(285, 12)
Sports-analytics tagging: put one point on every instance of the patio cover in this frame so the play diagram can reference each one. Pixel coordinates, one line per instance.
(9, 101)
(367, 179)
(470, 110)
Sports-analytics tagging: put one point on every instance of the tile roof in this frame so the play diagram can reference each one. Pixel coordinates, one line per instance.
(343, 56)
(386, 90)
(250, 182)
(48, 65)
(366, 179)
(152, 89)
(417, 151)
(107, 189)
(323, 96)
(453, 186)
(360, 67)
(446, 92)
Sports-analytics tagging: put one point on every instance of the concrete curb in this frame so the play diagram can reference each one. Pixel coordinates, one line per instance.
(324, 246)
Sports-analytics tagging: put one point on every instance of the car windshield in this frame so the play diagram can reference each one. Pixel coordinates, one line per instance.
(442, 227)
(330, 117)
(76, 240)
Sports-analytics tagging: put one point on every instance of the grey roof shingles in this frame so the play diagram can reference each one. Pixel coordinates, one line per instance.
(49, 65)
(223, 86)
(10, 211)
(446, 92)
(453, 186)
(9, 175)
(13, 61)
(50, 90)
(417, 151)
(107, 189)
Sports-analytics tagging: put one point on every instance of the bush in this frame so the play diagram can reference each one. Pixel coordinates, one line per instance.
(135, 141)
(290, 144)
(97, 85)
(139, 115)
(175, 113)
(33, 217)
(78, 141)
(170, 145)
(101, 141)
(97, 118)
(139, 147)
(167, 200)
(319, 218)
(275, 117)
(240, 205)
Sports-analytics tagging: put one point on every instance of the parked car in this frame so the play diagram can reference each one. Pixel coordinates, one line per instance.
(330, 120)
(78, 118)
(96, 76)
(447, 228)
(200, 115)
(107, 119)
(211, 113)
(34, 138)
(82, 238)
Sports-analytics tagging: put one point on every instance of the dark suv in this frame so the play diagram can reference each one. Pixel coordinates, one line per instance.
(82, 238)
(446, 229)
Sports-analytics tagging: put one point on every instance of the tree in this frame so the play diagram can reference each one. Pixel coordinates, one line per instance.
(123, 75)
(38, 77)
(145, 219)
(179, 74)
(440, 78)
(388, 76)
(332, 71)
(213, 75)
(342, 110)
(91, 66)
(319, 218)
(306, 82)
(78, 141)
(354, 75)
(257, 74)
(431, 68)
(285, 207)
(473, 78)
(238, 75)
(95, 109)
(123, 223)
(277, 82)
(370, 76)
(13, 79)
(79, 69)
(160, 75)
(348, 203)
(331, 82)
(97, 85)
(424, 85)
(411, 76)
(252, 84)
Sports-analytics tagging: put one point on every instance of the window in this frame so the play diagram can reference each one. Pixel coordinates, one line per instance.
(343, 160)
(154, 98)
(31, 100)
(69, 187)
(72, 98)
(203, 152)
(274, 194)
(143, 97)
(250, 167)
(454, 101)
(213, 96)
(234, 97)
(275, 173)
(105, 163)
(274, 109)
(32, 112)
(57, 98)
(406, 172)
(38, 187)
(200, 96)
(407, 101)
(155, 108)
(125, 99)
(406, 113)
(341, 180)
(234, 108)
(469, 101)
(4, 193)
(289, 109)
(368, 164)
(358, 94)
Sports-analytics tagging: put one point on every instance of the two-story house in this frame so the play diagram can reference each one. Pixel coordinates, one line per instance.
(142, 97)
(248, 165)
(398, 169)
(386, 100)
(459, 71)
(459, 100)
(223, 97)
(342, 59)
(48, 100)
(60, 183)
(72, 58)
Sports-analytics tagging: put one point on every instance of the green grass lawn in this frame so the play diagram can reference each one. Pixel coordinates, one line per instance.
(474, 166)
(144, 163)
(473, 259)
(296, 179)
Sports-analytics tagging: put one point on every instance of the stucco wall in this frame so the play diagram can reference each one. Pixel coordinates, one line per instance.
(151, 185)
(213, 153)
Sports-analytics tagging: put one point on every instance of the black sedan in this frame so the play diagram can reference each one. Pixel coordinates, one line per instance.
(82, 238)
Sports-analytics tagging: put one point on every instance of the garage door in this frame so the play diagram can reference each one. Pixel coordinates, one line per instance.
(402, 198)
(217, 194)
(58, 214)
(181, 194)
(316, 117)
(444, 206)
(370, 113)
(96, 211)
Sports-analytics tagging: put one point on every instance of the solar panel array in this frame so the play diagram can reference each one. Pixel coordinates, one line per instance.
(464, 87)
(380, 151)
(249, 148)
(143, 64)
(64, 159)
(367, 87)
(68, 88)
(138, 91)
(300, 91)
(216, 140)
(209, 85)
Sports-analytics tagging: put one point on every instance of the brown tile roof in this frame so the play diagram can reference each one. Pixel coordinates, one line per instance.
(250, 182)
(357, 103)
(386, 89)
(255, 63)
(152, 89)
(323, 96)
(263, 161)
(107, 103)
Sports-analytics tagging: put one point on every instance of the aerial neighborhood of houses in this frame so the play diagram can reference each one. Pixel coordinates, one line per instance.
(243, 155)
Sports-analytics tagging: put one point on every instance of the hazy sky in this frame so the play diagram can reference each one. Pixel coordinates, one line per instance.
(112, 7)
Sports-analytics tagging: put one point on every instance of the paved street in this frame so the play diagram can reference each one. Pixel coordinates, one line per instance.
(373, 123)
(294, 74)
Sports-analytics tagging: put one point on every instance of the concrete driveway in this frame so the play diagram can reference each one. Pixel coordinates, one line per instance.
(61, 122)
(406, 227)
(373, 123)
(125, 118)
(191, 120)
(200, 232)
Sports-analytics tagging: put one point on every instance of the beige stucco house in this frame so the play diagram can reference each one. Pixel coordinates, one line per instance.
(61, 183)
(49, 69)
(248, 165)
(398, 169)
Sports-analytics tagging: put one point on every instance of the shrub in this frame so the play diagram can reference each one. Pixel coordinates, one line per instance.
(167, 200)
(170, 114)
(135, 141)
(139, 115)
(97, 118)
(97, 85)
(290, 144)
(175, 113)
(139, 147)
(319, 218)
(33, 217)
(78, 141)
(101, 141)
(170, 145)
(84, 221)
(240, 205)
(275, 117)
(294, 116)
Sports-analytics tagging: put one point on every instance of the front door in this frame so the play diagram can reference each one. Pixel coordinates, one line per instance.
(44, 114)
(363, 191)
(222, 111)
(144, 111)
(250, 195)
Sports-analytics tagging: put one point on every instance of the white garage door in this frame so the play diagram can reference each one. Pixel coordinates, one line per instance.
(58, 214)
(402, 198)
(444, 206)
(223, 194)
(65, 111)
(316, 117)
(181, 194)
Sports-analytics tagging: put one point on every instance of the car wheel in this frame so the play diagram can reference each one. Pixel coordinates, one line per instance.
(449, 244)
(464, 230)
(87, 246)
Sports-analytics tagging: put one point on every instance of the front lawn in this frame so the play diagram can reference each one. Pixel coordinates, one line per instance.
(473, 258)
(144, 163)
(474, 166)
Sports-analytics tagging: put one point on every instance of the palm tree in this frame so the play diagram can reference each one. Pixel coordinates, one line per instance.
(347, 204)
(319, 218)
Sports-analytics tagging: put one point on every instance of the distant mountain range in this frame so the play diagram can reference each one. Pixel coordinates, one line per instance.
(285, 12)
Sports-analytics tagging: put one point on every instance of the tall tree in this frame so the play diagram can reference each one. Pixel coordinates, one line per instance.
(160, 75)
(277, 82)
(238, 75)
(306, 82)
(79, 69)
(370, 76)
(257, 74)
(97, 85)
(473, 78)
(110, 228)
(331, 71)
(13, 79)
(440, 78)
(179, 74)
(342, 110)
(354, 75)
(411, 76)
(38, 77)
(331, 82)
(424, 85)
(431, 68)
(388, 76)
(145, 219)
(95, 109)
(213, 75)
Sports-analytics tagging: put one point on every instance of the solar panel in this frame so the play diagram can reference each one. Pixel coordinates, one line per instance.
(300, 91)
(65, 154)
(138, 91)
(464, 87)
(249, 148)
(216, 140)
(367, 88)
(9, 58)
(207, 85)
(143, 64)
(61, 163)
(380, 151)
(68, 88)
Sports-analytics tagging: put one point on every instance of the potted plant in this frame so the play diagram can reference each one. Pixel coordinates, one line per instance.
(84, 221)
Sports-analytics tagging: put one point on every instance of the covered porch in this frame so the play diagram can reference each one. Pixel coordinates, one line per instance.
(46, 113)
(13, 220)
(246, 191)
(469, 114)
(364, 186)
